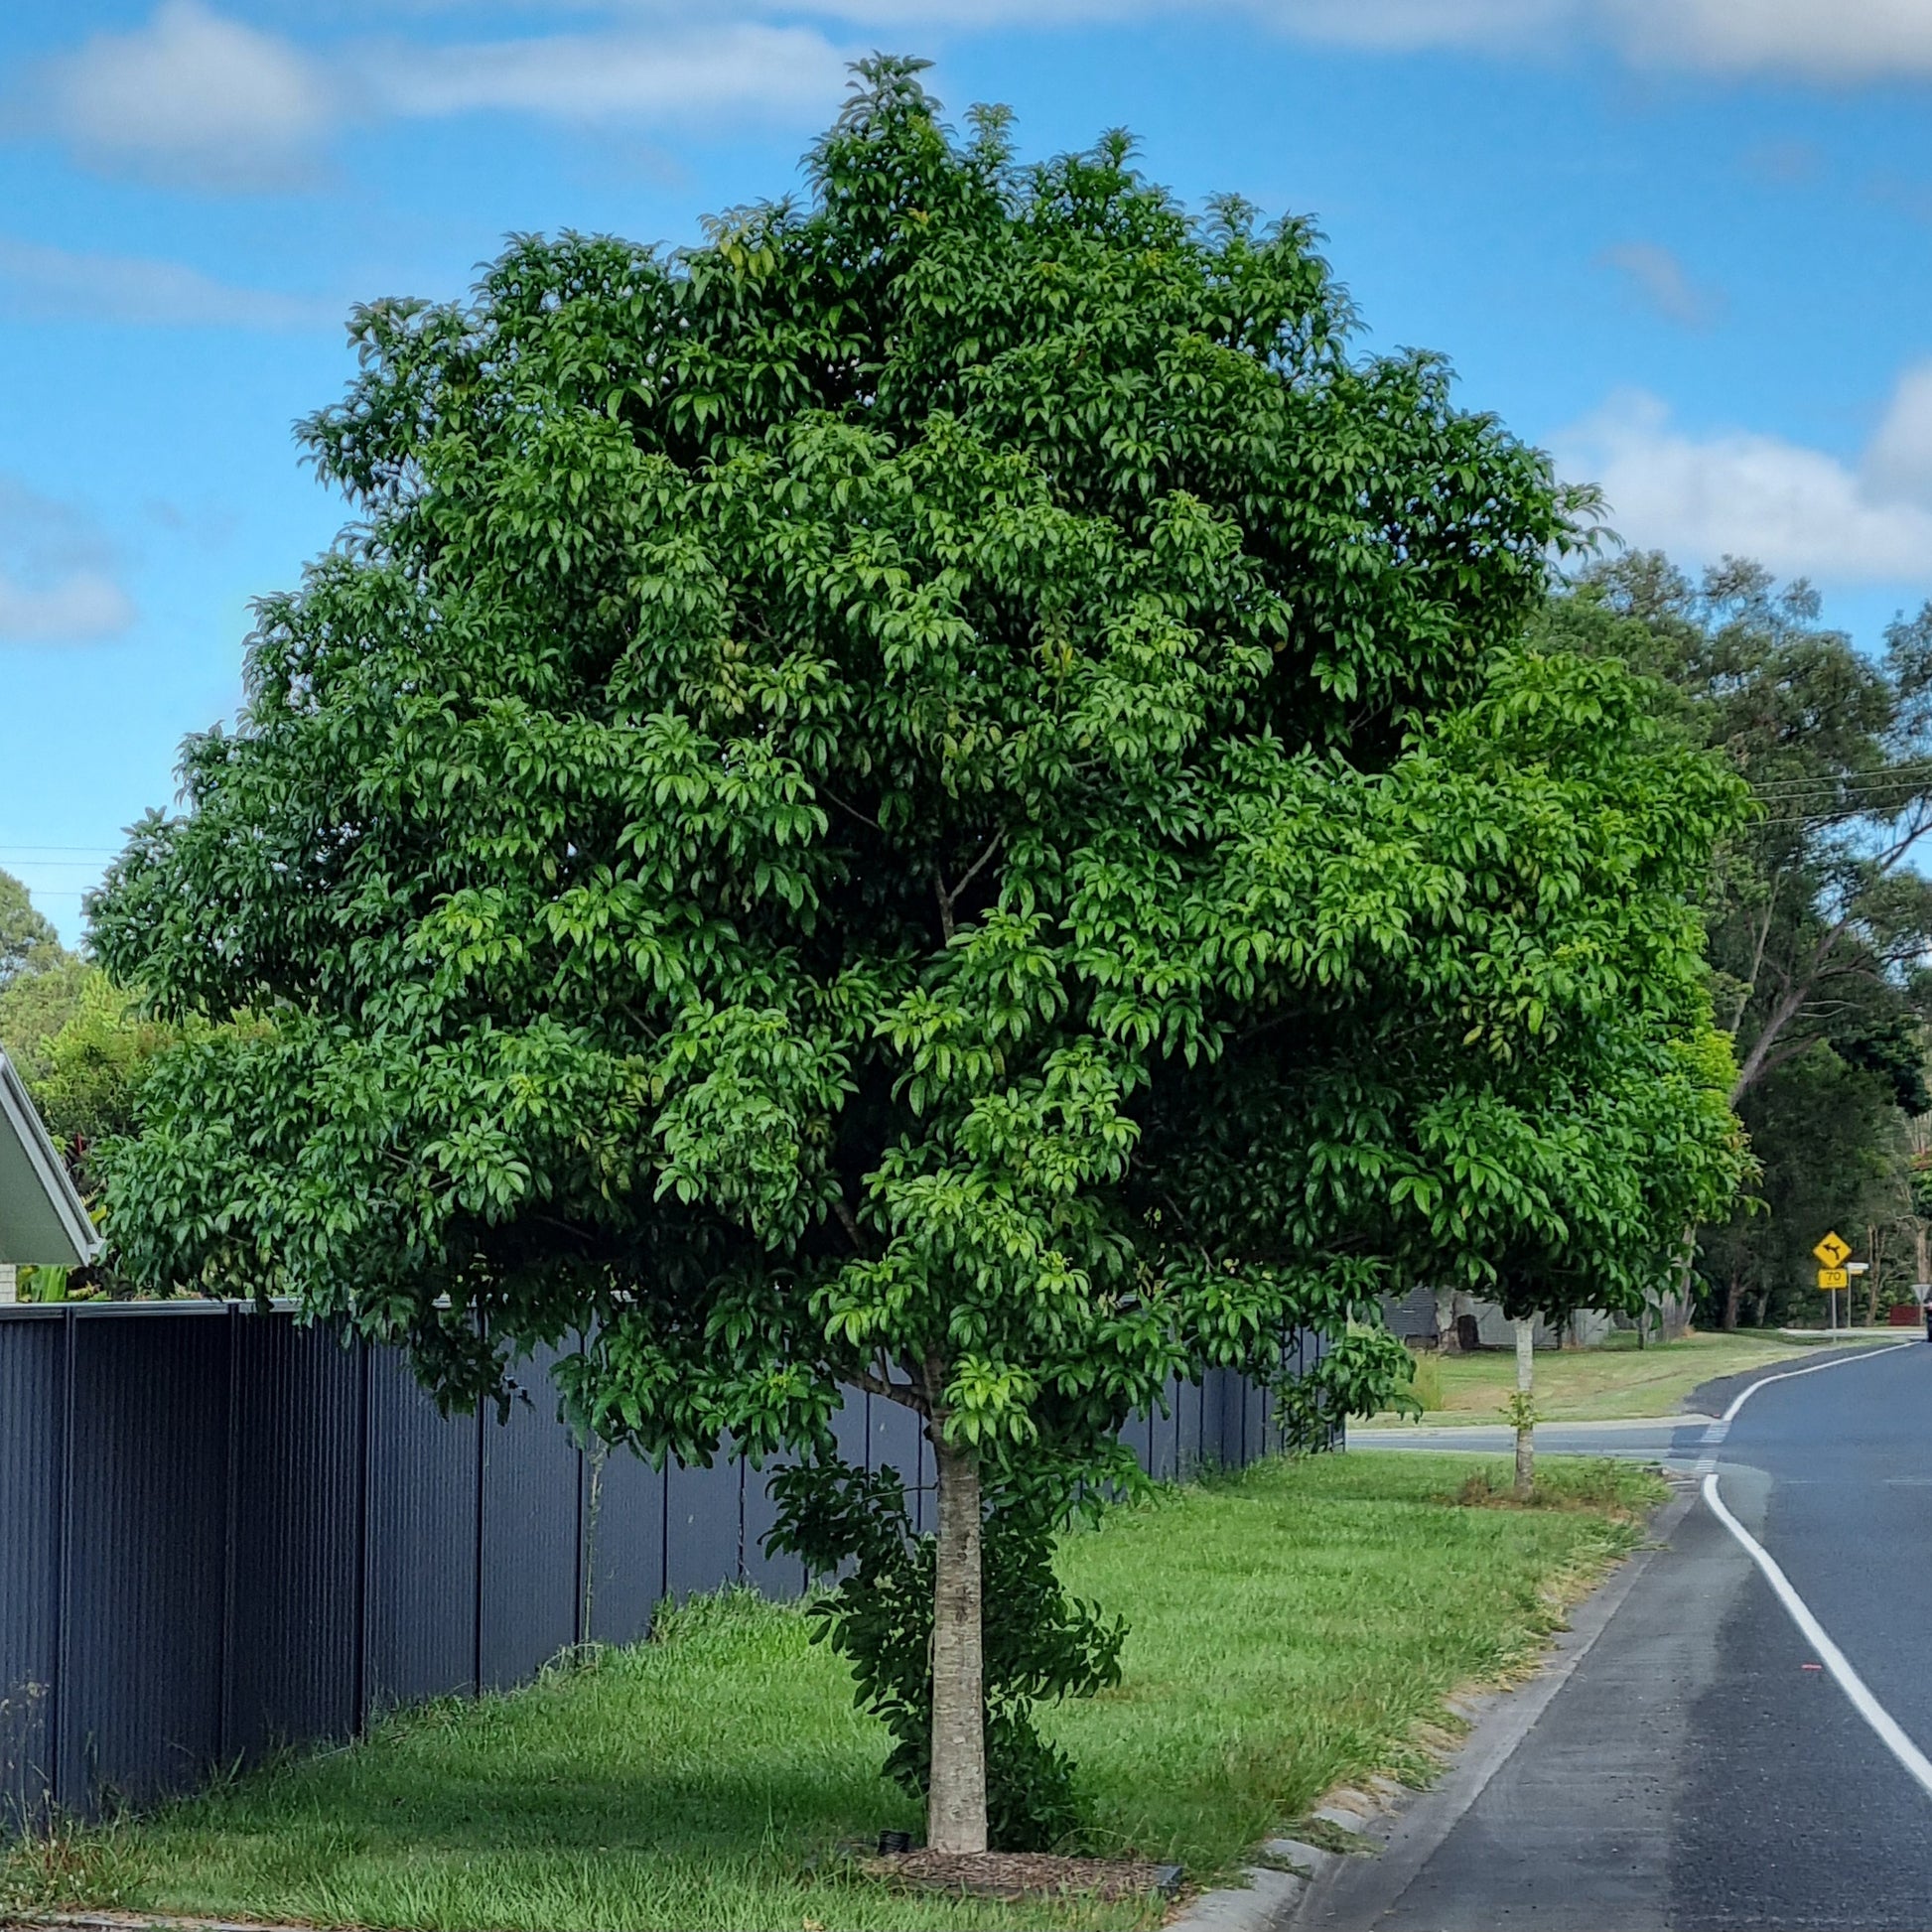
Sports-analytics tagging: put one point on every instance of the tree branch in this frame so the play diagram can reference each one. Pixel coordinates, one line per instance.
(972, 871)
(949, 898)
(1757, 953)
(907, 1394)
(1780, 1016)
(1783, 1056)
(851, 811)
(848, 1221)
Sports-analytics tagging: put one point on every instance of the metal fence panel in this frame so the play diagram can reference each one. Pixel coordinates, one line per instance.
(33, 1458)
(531, 1543)
(623, 1538)
(1186, 1429)
(1163, 1435)
(140, 1674)
(893, 1437)
(220, 1531)
(704, 1526)
(1228, 1418)
(777, 1577)
(292, 1622)
(424, 1520)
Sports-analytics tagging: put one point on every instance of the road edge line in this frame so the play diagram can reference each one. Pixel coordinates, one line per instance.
(1889, 1732)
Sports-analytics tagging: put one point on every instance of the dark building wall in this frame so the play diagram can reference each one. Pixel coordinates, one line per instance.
(222, 1532)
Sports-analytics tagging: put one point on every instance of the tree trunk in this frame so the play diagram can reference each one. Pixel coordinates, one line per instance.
(1686, 1260)
(1787, 1009)
(1525, 1429)
(1734, 1294)
(1446, 1340)
(957, 1796)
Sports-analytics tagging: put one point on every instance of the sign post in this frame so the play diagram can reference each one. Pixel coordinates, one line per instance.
(1832, 1253)
(1852, 1268)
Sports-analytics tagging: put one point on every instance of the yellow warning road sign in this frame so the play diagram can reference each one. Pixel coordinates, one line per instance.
(1832, 1251)
(1834, 1278)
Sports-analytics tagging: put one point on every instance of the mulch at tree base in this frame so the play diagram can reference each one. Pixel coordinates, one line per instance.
(1022, 1875)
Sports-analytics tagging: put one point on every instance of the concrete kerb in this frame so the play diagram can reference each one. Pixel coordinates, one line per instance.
(1305, 1885)
(1271, 1896)
(1677, 1419)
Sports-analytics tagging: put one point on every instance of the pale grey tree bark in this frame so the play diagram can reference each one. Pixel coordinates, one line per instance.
(956, 1800)
(1525, 1388)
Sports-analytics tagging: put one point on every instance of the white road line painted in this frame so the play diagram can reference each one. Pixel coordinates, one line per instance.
(1830, 1655)
(1814, 1368)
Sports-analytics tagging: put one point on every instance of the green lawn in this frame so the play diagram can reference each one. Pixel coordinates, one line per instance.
(1292, 1628)
(1617, 1379)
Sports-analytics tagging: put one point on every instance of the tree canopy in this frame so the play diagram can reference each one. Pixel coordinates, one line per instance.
(27, 941)
(940, 795)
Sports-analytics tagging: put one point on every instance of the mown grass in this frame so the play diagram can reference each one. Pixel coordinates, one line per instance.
(1292, 1628)
(1597, 1384)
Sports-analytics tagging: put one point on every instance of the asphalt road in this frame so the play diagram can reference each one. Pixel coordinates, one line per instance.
(1699, 1769)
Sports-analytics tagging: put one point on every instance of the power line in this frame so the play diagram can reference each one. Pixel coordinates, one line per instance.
(93, 851)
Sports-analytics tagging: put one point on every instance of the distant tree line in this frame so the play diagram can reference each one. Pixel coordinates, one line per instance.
(82, 1047)
(1819, 921)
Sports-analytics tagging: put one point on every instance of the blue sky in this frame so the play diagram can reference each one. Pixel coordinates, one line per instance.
(1686, 244)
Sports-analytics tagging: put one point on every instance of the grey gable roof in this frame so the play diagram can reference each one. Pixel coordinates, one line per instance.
(42, 1219)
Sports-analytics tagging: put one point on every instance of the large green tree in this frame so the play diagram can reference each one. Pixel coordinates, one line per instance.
(940, 795)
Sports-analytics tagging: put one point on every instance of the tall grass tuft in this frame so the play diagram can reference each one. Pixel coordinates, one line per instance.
(1427, 1386)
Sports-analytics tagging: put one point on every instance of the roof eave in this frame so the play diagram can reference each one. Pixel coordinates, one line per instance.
(17, 1110)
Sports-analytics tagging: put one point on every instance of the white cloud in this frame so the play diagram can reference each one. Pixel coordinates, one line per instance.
(1831, 41)
(1664, 284)
(1811, 40)
(1899, 459)
(1405, 25)
(601, 77)
(1397, 26)
(193, 100)
(83, 608)
(1801, 511)
(42, 282)
(56, 584)
(200, 98)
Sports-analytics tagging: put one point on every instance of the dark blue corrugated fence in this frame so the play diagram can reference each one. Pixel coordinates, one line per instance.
(221, 1532)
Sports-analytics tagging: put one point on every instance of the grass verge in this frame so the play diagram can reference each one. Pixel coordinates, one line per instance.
(1596, 1384)
(1292, 1628)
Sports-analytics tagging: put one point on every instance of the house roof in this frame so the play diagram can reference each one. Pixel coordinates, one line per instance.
(43, 1219)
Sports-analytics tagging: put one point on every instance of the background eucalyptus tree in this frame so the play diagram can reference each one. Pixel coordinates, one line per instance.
(1819, 916)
